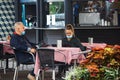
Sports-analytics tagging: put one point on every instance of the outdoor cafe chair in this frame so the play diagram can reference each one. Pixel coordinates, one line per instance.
(23, 63)
(46, 57)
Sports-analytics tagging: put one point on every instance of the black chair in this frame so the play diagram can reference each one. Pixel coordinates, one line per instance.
(46, 57)
(23, 63)
(5, 57)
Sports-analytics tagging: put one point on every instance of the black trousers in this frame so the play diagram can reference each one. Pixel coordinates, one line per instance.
(26, 58)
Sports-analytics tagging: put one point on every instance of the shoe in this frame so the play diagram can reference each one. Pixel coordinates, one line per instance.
(30, 77)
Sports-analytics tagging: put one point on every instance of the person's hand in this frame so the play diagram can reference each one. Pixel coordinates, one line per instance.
(32, 50)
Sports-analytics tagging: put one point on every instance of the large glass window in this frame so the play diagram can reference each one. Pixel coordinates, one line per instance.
(96, 12)
(55, 16)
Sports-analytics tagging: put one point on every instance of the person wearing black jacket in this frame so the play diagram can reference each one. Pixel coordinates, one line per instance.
(70, 40)
(21, 43)
(73, 42)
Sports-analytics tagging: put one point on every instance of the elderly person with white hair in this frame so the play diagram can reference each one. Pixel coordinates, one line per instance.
(20, 42)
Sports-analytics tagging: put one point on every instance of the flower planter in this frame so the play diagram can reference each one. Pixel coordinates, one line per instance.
(99, 65)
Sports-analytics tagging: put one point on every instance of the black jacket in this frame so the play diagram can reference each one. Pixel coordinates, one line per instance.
(20, 43)
(74, 42)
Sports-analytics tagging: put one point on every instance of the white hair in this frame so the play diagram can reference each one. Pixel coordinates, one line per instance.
(17, 24)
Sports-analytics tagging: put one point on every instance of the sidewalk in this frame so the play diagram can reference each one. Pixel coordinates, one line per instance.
(23, 72)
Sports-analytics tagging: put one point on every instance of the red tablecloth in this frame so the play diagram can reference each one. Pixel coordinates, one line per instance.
(6, 47)
(69, 53)
(98, 45)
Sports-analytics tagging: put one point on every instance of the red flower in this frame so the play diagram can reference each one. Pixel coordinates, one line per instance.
(93, 69)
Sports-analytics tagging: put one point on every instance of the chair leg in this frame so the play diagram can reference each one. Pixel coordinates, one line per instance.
(1, 63)
(37, 76)
(23, 67)
(4, 66)
(16, 74)
(53, 74)
(75, 63)
(13, 63)
(43, 74)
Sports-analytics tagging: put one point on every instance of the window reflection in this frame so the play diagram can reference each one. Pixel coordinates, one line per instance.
(55, 16)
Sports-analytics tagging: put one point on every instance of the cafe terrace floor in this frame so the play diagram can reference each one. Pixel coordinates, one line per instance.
(23, 72)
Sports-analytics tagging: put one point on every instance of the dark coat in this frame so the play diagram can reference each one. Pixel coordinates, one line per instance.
(74, 42)
(20, 43)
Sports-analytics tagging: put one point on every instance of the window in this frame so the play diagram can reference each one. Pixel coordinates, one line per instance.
(55, 16)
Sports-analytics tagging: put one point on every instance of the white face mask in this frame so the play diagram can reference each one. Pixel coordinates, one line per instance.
(69, 37)
(23, 33)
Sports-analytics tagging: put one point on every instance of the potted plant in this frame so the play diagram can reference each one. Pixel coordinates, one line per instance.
(77, 73)
(100, 64)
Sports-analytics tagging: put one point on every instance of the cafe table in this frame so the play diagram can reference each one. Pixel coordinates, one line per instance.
(95, 45)
(6, 53)
(69, 52)
(6, 47)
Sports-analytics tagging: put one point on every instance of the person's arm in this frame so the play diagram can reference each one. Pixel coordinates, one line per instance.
(33, 48)
(78, 44)
(31, 43)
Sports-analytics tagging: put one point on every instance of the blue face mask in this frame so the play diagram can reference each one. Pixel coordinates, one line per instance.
(69, 37)
(23, 33)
